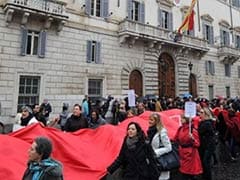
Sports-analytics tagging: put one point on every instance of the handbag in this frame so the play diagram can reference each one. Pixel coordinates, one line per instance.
(170, 160)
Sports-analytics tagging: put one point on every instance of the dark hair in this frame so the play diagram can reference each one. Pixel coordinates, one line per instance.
(140, 134)
(44, 147)
(97, 113)
(77, 105)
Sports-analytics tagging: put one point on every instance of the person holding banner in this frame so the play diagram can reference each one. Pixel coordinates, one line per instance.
(159, 140)
(207, 141)
(188, 141)
(136, 157)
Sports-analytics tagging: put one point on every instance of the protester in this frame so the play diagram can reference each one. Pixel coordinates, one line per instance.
(47, 108)
(63, 115)
(27, 117)
(38, 113)
(76, 121)
(207, 141)
(159, 140)
(188, 140)
(40, 165)
(85, 107)
(135, 156)
(96, 120)
(140, 108)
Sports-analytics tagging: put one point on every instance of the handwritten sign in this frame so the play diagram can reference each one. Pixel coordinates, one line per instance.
(131, 98)
(190, 109)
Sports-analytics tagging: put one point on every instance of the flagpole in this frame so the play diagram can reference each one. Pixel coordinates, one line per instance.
(198, 14)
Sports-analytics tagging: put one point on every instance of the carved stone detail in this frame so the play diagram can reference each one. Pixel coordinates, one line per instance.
(25, 18)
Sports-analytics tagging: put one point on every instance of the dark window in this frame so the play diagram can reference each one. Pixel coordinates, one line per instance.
(28, 94)
(32, 42)
(93, 52)
(210, 92)
(228, 92)
(227, 68)
(208, 33)
(95, 88)
(237, 41)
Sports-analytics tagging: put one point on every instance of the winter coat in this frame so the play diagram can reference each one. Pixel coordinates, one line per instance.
(51, 171)
(206, 133)
(190, 162)
(160, 147)
(75, 123)
(134, 162)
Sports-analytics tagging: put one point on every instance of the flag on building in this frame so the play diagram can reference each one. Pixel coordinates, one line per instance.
(188, 22)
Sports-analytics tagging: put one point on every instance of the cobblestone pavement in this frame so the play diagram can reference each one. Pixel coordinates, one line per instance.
(226, 169)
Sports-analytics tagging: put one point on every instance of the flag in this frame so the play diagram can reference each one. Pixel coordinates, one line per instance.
(188, 22)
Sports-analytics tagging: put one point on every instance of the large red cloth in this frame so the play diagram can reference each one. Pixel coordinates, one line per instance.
(85, 154)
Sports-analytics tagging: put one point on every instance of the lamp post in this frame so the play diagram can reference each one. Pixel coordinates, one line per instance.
(190, 66)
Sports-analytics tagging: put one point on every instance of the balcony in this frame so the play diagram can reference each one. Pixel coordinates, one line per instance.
(130, 31)
(228, 55)
(52, 10)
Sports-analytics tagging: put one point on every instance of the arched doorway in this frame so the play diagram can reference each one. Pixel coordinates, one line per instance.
(193, 85)
(166, 76)
(136, 82)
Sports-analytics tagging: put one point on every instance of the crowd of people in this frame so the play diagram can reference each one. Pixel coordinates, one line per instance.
(216, 121)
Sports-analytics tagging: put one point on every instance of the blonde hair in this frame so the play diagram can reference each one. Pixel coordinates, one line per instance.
(208, 112)
(158, 121)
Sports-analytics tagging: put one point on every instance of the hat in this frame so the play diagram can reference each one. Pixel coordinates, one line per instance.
(27, 108)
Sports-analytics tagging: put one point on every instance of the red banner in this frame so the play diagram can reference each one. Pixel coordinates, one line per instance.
(85, 154)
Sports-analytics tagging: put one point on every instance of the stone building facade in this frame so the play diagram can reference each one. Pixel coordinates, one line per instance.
(62, 50)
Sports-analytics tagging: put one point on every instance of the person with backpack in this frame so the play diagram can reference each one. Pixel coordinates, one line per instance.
(188, 143)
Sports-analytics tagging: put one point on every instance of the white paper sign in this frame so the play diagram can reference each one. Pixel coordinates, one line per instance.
(190, 109)
(131, 98)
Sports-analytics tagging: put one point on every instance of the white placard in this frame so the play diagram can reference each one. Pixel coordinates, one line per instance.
(190, 109)
(131, 98)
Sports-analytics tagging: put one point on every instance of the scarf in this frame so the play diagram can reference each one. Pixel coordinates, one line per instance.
(24, 121)
(151, 132)
(37, 169)
(131, 142)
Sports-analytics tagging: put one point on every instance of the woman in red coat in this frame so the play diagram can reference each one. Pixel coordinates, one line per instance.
(188, 141)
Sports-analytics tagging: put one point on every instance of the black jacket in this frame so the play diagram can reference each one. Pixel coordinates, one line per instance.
(49, 172)
(206, 133)
(75, 123)
(136, 163)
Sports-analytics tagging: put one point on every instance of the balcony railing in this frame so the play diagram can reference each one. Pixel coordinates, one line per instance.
(128, 27)
(46, 6)
(225, 50)
(228, 54)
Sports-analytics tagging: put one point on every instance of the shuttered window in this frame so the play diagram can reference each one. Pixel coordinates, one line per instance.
(33, 42)
(165, 19)
(98, 8)
(225, 38)
(210, 68)
(208, 33)
(227, 68)
(136, 11)
(93, 52)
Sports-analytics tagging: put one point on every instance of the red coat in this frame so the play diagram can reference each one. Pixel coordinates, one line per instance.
(190, 162)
